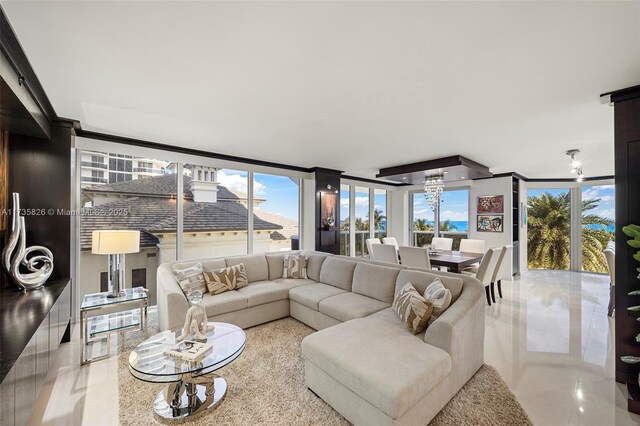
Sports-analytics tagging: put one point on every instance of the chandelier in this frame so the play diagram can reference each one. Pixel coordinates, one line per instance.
(576, 164)
(433, 187)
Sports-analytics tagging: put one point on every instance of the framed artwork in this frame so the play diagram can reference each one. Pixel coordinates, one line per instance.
(490, 223)
(329, 209)
(490, 204)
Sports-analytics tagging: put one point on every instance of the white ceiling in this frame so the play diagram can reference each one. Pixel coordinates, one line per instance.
(352, 86)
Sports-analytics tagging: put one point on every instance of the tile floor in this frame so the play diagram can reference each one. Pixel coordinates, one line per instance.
(549, 337)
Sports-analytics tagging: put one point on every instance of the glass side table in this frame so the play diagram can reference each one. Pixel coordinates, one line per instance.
(120, 314)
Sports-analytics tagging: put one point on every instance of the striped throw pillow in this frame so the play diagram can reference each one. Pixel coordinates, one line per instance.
(226, 279)
(191, 279)
(412, 308)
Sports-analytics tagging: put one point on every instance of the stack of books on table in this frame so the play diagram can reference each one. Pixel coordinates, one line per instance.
(190, 350)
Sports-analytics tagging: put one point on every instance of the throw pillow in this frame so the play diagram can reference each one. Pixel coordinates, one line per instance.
(295, 266)
(226, 279)
(440, 298)
(412, 308)
(191, 279)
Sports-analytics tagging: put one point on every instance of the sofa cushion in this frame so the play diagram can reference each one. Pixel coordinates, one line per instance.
(213, 264)
(290, 283)
(338, 272)
(311, 295)
(261, 292)
(375, 281)
(421, 281)
(392, 370)
(275, 262)
(348, 306)
(256, 265)
(412, 308)
(225, 279)
(314, 264)
(190, 278)
(222, 303)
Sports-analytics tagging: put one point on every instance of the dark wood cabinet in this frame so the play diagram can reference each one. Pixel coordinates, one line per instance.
(25, 365)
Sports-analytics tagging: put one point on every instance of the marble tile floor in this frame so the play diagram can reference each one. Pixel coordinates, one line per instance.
(549, 337)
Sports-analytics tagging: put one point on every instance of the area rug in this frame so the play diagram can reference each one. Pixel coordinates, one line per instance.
(266, 386)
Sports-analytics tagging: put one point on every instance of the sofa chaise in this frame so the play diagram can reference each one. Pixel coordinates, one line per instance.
(363, 361)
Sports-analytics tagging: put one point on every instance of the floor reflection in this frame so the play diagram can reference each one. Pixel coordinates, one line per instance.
(553, 344)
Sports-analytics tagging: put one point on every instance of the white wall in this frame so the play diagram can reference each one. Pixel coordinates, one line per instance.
(398, 222)
(495, 186)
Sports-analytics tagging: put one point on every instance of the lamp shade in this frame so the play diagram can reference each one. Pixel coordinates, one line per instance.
(115, 242)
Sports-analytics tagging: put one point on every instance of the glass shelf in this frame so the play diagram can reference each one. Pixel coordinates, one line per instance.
(113, 322)
(100, 299)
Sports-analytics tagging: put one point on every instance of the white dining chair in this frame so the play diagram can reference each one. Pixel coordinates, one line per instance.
(440, 243)
(370, 242)
(416, 257)
(390, 241)
(503, 269)
(486, 270)
(385, 253)
(610, 256)
(472, 246)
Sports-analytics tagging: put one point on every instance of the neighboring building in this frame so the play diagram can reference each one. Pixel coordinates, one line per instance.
(100, 168)
(211, 228)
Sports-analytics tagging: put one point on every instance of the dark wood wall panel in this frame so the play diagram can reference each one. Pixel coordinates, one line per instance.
(627, 166)
(327, 240)
(40, 171)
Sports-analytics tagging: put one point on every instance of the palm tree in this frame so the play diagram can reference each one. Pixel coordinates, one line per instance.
(422, 225)
(549, 233)
(378, 217)
(446, 225)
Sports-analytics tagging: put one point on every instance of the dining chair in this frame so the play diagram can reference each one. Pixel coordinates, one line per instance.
(610, 256)
(370, 242)
(440, 243)
(390, 241)
(385, 253)
(416, 257)
(472, 246)
(503, 268)
(486, 270)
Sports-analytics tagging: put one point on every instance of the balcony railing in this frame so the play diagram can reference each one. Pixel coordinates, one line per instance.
(423, 238)
(147, 170)
(360, 242)
(94, 165)
(93, 179)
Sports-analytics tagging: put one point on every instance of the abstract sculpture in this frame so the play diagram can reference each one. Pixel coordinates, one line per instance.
(196, 320)
(40, 265)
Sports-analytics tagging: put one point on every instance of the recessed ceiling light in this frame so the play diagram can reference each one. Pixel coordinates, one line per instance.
(445, 172)
(462, 177)
(404, 177)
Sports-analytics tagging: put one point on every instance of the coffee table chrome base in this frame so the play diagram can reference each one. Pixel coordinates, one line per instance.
(189, 397)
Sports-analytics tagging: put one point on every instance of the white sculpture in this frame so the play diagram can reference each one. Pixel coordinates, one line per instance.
(196, 321)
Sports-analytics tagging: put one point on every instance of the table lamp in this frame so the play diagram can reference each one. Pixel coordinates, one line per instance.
(115, 244)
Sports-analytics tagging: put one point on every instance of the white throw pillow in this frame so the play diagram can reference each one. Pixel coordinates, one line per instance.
(439, 296)
(191, 279)
(295, 266)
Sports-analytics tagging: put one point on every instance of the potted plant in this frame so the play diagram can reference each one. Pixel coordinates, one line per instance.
(633, 232)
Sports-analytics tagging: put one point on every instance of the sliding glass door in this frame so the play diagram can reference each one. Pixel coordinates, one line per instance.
(452, 218)
(597, 215)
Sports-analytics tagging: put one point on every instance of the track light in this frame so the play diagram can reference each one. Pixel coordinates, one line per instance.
(576, 164)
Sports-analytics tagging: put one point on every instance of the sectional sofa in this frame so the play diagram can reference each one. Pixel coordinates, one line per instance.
(363, 361)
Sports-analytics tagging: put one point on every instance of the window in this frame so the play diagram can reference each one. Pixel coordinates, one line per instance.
(139, 277)
(215, 215)
(549, 229)
(276, 201)
(345, 238)
(598, 217)
(148, 206)
(362, 226)
(380, 213)
(452, 218)
(454, 215)
(423, 218)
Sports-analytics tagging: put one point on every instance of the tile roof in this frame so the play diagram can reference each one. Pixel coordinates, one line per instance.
(156, 215)
(162, 185)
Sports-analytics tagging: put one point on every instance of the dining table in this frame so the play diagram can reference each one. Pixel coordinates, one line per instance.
(455, 261)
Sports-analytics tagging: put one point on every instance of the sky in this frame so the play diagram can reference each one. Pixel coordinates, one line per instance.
(362, 203)
(606, 193)
(454, 206)
(280, 192)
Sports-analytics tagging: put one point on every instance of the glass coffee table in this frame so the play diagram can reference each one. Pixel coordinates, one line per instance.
(192, 387)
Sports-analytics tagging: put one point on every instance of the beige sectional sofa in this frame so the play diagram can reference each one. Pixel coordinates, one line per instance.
(364, 361)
